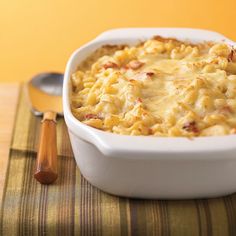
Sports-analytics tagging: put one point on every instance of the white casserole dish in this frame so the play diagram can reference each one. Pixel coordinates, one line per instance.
(150, 167)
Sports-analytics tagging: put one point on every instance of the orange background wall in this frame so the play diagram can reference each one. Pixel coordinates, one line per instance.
(40, 35)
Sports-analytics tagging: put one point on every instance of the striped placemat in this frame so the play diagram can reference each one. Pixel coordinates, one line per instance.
(72, 206)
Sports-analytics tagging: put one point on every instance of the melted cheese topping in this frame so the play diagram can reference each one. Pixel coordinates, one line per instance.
(161, 87)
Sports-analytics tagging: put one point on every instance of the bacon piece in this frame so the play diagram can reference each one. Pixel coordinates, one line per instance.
(135, 64)
(150, 74)
(139, 100)
(144, 75)
(176, 41)
(231, 55)
(150, 132)
(91, 116)
(191, 127)
(110, 64)
(226, 109)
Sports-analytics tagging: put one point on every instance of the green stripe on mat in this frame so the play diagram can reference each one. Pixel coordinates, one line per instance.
(72, 206)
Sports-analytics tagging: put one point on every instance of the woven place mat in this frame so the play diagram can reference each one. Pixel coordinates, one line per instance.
(72, 206)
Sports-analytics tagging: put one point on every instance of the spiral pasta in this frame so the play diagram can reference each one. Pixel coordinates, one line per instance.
(161, 87)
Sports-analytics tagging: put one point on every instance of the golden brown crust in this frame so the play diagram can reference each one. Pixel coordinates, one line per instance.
(107, 49)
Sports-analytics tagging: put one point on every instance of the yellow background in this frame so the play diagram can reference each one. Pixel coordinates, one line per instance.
(40, 35)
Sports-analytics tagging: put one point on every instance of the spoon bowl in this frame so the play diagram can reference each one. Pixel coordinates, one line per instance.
(45, 93)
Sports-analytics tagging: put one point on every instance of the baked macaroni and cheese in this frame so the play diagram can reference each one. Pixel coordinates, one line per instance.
(161, 87)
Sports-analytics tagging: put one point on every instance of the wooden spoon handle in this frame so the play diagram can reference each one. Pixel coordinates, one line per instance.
(46, 164)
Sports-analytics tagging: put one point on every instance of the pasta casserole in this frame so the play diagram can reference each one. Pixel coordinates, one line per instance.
(160, 87)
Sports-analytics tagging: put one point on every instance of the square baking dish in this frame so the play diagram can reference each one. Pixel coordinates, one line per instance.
(146, 166)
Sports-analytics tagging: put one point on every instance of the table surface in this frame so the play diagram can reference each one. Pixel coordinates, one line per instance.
(219, 207)
(8, 103)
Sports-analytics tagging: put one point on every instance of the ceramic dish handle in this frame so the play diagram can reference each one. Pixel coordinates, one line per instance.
(46, 164)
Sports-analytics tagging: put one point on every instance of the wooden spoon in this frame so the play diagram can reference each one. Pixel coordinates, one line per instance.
(45, 95)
